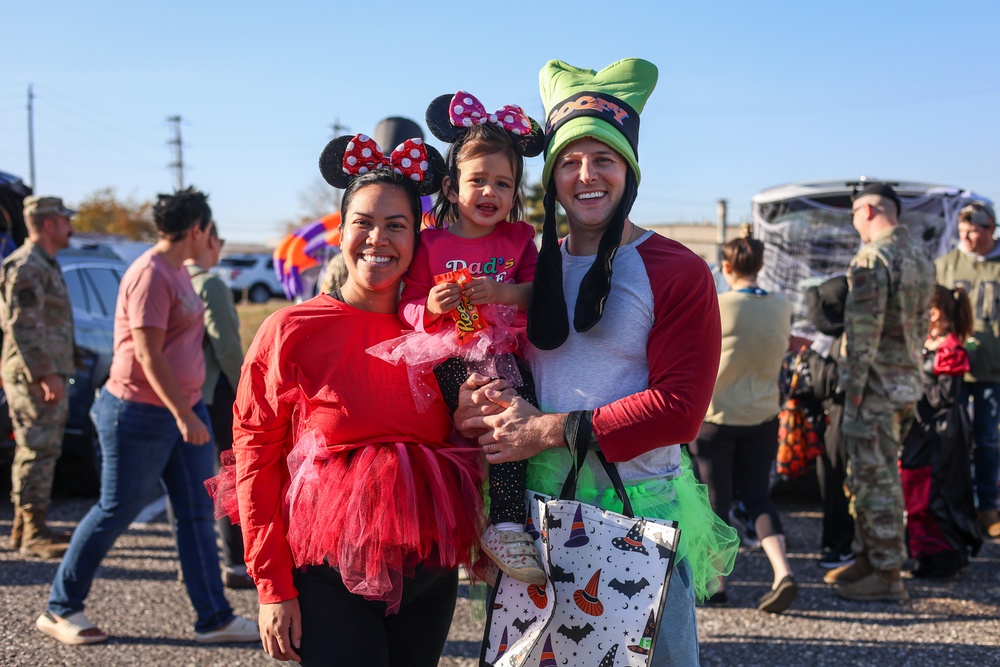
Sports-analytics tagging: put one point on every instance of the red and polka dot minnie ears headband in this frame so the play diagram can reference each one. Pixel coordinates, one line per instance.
(347, 157)
(449, 117)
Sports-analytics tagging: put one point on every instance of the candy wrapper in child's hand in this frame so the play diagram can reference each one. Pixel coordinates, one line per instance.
(468, 321)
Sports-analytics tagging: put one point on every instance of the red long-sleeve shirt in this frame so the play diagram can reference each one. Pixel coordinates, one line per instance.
(311, 359)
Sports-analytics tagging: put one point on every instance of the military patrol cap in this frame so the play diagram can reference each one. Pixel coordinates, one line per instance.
(980, 215)
(880, 190)
(46, 205)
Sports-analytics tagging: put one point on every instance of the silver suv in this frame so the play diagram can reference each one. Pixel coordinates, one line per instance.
(250, 273)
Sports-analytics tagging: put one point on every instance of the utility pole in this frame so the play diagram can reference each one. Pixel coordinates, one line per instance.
(720, 237)
(338, 130)
(31, 137)
(178, 164)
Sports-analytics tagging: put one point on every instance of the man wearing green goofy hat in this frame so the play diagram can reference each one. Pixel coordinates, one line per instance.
(634, 373)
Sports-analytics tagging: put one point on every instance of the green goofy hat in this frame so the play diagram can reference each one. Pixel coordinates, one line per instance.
(602, 105)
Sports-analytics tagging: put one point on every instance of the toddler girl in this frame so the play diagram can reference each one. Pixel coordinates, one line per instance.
(467, 290)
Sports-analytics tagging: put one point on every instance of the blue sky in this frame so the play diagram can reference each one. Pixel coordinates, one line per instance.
(750, 95)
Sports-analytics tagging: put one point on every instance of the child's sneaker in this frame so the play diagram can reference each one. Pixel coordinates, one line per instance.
(514, 553)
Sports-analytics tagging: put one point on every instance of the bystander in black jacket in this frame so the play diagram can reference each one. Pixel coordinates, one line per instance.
(825, 304)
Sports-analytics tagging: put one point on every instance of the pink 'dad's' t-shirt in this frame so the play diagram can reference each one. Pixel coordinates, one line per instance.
(154, 294)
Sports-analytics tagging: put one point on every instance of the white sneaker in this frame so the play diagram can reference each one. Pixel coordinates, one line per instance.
(514, 553)
(240, 630)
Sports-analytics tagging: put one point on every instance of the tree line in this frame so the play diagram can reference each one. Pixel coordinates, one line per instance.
(105, 212)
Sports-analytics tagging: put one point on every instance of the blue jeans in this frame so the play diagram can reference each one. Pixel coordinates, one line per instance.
(140, 445)
(986, 436)
(677, 639)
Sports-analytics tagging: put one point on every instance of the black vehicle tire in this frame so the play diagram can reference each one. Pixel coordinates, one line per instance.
(259, 293)
(237, 295)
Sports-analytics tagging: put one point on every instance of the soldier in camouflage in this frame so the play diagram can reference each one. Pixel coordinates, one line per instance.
(891, 281)
(37, 359)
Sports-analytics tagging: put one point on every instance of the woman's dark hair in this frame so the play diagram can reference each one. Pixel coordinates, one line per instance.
(383, 177)
(175, 214)
(480, 140)
(956, 307)
(745, 254)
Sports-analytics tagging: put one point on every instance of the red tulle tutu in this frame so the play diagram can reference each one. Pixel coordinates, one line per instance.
(376, 511)
(490, 353)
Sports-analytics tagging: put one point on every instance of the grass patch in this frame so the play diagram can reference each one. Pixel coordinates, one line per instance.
(252, 315)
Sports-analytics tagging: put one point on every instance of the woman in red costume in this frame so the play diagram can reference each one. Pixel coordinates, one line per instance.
(356, 510)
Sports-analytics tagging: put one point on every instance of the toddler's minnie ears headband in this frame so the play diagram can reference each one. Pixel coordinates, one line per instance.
(346, 157)
(449, 117)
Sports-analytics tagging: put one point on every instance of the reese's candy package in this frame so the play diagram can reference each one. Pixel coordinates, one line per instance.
(467, 320)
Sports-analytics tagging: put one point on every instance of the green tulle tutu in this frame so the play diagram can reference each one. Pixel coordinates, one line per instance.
(707, 543)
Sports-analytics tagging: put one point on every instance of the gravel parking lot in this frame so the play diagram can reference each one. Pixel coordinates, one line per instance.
(139, 601)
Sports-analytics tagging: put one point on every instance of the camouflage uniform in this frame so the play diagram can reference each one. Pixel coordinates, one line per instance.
(37, 321)
(885, 322)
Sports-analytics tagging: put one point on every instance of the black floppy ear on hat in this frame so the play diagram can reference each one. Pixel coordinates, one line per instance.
(548, 322)
(331, 162)
(596, 283)
(435, 174)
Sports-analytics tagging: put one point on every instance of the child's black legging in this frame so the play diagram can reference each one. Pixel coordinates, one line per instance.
(507, 480)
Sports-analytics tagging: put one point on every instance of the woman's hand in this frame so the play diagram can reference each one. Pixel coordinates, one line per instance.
(193, 429)
(281, 629)
(443, 298)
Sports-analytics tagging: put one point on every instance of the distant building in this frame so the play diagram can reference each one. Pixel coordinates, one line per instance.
(700, 238)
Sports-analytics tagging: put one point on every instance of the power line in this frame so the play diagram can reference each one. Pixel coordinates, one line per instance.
(85, 133)
(104, 123)
(103, 116)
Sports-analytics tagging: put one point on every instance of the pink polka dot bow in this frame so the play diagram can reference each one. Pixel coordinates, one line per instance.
(465, 111)
(409, 159)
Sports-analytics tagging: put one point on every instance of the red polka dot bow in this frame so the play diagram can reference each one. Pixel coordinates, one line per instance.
(465, 111)
(409, 159)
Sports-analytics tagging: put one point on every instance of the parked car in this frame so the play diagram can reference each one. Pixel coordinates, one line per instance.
(92, 277)
(250, 273)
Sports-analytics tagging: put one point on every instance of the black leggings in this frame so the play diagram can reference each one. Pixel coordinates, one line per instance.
(220, 413)
(740, 455)
(507, 480)
(342, 629)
